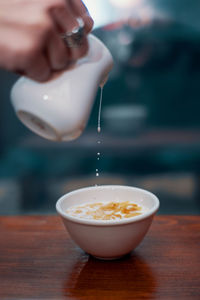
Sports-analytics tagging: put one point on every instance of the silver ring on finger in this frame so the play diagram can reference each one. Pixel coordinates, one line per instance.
(74, 38)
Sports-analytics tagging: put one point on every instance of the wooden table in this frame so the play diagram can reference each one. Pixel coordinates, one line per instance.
(38, 260)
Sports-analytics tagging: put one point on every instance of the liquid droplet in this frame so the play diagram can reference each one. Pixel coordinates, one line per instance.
(98, 142)
(98, 153)
(97, 174)
(97, 158)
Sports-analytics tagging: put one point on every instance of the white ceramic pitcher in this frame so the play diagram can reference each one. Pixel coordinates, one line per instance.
(59, 108)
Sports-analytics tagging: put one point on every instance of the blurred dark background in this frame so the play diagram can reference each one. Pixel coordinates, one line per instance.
(150, 134)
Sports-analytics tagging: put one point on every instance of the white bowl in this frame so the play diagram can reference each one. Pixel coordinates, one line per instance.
(108, 239)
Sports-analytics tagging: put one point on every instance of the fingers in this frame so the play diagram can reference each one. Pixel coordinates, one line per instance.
(64, 18)
(80, 10)
(65, 15)
(66, 21)
(39, 48)
(57, 52)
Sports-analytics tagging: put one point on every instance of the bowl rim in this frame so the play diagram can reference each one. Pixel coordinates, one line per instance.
(91, 222)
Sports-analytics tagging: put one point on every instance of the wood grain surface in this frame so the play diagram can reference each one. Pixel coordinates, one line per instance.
(38, 260)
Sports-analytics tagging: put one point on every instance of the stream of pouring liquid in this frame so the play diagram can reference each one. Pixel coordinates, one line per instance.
(99, 125)
(99, 114)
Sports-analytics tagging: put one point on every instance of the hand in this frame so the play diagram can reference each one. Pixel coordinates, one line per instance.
(30, 31)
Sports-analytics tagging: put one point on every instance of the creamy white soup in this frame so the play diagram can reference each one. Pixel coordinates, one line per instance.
(106, 210)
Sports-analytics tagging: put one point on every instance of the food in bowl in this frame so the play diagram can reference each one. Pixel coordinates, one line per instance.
(106, 211)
